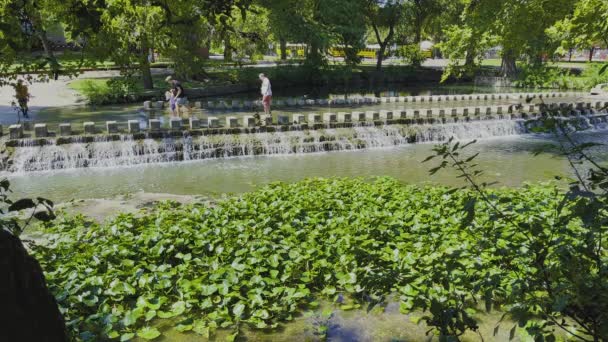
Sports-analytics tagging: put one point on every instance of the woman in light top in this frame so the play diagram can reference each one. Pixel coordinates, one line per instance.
(266, 93)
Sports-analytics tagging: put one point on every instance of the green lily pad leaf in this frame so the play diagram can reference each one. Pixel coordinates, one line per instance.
(184, 327)
(148, 333)
(232, 337)
(150, 315)
(238, 309)
(201, 328)
(126, 337)
(178, 308)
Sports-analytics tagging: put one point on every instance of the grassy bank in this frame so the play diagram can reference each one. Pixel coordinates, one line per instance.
(258, 260)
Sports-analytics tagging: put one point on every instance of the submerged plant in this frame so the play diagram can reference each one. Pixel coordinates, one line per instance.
(256, 260)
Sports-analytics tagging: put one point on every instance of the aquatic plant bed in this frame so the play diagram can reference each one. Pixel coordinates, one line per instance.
(259, 259)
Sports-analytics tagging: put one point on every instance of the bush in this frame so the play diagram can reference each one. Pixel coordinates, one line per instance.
(411, 54)
(116, 90)
(531, 76)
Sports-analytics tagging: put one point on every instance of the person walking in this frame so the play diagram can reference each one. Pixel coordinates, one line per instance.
(266, 93)
(180, 95)
(22, 95)
(170, 96)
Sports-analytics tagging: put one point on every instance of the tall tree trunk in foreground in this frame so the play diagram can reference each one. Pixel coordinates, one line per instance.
(28, 312)
(283, 47)
(144, 64)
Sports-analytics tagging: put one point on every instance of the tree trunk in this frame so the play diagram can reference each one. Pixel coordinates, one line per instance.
(283, 47)
(144, 65)
(227, 50)
(570, 55)
(591, 51)
(469, 60)
(380, 57)
(48, 50)
(418, 34)
(29, 312)
(508, 66)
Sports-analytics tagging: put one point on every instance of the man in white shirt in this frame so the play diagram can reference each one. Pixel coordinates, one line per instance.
(266, 93)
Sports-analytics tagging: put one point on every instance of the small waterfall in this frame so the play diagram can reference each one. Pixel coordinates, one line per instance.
(471, 130)
(125, 151)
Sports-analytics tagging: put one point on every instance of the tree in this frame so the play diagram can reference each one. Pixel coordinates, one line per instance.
(383, 17)
(318, 24)
(246, 34)
(346, 25)
(509, 22)
(586, 27)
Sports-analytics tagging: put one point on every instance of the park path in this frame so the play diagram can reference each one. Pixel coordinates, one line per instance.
(53, 93)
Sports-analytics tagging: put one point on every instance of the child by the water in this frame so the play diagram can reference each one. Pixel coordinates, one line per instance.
(171, 96)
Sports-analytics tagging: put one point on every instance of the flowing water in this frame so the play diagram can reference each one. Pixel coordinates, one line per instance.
(509, 160)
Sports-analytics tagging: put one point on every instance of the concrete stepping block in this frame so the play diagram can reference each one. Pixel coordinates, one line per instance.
(249, 121)
(283, 119)
(213, 122)
(266, 119)
(154, 124)
(358, 116)
(386, 114)
(400, 114)
(15, 131)
(195, 123)
(232, 122)
(111, 127)
(41, 130)
(314, 118)
(133, 126)
(344, 117)
(330, 117)
(298, 119)
(372, 116)
(175, 123)
(89, 127)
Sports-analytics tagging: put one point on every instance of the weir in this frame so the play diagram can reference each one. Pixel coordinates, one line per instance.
(128, 149)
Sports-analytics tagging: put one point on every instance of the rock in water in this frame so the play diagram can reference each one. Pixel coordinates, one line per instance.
(28, 312)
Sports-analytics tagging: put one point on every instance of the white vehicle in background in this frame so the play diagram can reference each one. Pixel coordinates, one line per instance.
(600, 89)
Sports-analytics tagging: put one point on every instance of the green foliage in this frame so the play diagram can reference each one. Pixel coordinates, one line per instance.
(257, 259)
(539, 76)
(40, 209)
(411, 54)
(115, 90)
(552, 272)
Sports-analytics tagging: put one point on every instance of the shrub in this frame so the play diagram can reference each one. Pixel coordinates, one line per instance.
(411, 54)
(116, 90)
